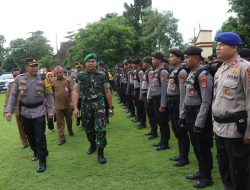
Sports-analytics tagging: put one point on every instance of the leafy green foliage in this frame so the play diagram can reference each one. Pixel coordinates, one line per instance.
(160, 30)
(111, 39)
(20, 49)
(239, 24)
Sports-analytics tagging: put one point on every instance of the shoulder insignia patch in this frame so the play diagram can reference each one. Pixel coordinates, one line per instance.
(236, 69)
(203, 80)
(182, 77)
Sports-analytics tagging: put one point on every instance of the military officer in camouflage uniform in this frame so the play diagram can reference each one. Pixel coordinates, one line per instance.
(35, 101)
(93, 87)
(231, 112)
(196, 115)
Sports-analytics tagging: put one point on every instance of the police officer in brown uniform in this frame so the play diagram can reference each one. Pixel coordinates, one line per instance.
(35, 101)
(23, 138)
(231, 112)
(62, 89)
(196, 115)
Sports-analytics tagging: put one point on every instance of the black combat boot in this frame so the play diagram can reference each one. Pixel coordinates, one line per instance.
(70, 132)
(42, 165)
(92, 148)
(100, 156)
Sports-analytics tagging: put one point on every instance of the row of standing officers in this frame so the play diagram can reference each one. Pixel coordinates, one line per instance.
(198, 104)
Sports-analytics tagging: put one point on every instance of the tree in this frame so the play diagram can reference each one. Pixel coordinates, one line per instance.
(20, 49)
(160, 31)
(2, 52)
(46, 62)
(110, 38)
(239, 24)
(134, 13)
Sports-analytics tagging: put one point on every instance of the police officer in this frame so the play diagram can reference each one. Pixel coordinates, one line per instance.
(140, 111)
(24, 141)
(91, 85)
(148, 104)
(231, 112)
(35, 100)
(196, 115)
(157, 93)
(62, 90)
(244, 53)
(175, 102)
(78, 70)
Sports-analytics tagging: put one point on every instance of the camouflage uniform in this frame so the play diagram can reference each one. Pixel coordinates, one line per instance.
(91, 86)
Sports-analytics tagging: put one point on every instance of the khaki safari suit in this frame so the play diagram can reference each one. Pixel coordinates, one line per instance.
(62, 89)
(23, 138)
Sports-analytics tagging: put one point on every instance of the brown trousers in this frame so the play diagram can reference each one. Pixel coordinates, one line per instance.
(23, 138)
(60, 115)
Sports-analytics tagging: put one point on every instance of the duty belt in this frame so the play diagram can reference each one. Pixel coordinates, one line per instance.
(34, 105)
(232, 118)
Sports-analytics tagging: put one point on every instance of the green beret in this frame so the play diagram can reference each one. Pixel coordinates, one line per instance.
(89, 56)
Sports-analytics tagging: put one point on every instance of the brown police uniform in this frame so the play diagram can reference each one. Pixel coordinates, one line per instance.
(62, 89)
(23, 138)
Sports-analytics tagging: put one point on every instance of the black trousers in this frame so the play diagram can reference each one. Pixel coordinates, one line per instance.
(181, 133)
(149, 107)
(233, 158)
(140, 110)
(35, 131)
(202, 141)
(79, 119)
(162, 119)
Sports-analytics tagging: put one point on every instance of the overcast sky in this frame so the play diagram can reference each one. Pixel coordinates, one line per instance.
(19, 17)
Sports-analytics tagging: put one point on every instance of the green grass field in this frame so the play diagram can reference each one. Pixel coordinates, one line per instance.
(132, 163)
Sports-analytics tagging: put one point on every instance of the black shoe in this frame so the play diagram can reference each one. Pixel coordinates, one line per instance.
(151, 137)
(71, 134)
(100, 156)
(42, 167)
(202, 183)
(157, 144)
(162, 147)
(194, 176)
(92, 149)
(35, 158)
(61, 142)
(175, 158)
(142, 126)
(181, 163)
(135, 120)
(148, 134)
(77, 123)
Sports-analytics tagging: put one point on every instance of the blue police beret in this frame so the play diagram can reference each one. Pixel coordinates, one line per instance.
(229, 38)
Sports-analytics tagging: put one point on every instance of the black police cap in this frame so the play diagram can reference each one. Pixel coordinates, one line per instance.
(193, 50)
(147, 60)
(158, 55)
(136, 61)
(177, 53)
(244, 52)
